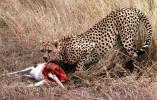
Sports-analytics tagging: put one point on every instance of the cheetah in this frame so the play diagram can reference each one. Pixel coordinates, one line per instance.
(90, 46)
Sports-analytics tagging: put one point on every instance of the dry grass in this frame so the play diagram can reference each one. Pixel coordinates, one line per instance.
(23, 23)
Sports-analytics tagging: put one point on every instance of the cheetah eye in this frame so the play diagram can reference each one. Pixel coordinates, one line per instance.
(42, 50)
(49, 51)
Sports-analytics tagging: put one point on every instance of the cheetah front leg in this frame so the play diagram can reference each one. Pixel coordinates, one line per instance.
(81, 64)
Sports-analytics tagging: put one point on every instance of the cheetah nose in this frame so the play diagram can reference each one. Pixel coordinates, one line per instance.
(45, 58)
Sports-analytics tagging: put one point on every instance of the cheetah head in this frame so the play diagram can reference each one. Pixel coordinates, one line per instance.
(50, 50)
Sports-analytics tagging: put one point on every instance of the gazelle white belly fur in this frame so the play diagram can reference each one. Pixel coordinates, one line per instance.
(36, 72)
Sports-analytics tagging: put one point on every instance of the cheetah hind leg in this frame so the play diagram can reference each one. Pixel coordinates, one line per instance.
(132, 67)
(128, 42)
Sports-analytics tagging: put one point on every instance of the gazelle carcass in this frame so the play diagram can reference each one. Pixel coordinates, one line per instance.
(44, 73)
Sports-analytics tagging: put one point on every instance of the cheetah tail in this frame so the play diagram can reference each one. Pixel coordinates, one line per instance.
(148, 27)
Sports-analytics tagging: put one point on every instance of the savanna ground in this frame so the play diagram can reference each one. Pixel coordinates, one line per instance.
(25, 23)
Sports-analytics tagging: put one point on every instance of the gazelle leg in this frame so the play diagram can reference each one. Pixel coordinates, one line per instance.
(37, 84)
(40, 83)
(24, 70)
(29, 76)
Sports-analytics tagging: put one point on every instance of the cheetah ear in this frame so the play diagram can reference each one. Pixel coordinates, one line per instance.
(55, 43)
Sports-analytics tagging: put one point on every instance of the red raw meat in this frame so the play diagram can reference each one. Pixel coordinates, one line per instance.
(53, 68)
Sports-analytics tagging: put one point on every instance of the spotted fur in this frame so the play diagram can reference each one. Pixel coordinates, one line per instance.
(91, 45)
